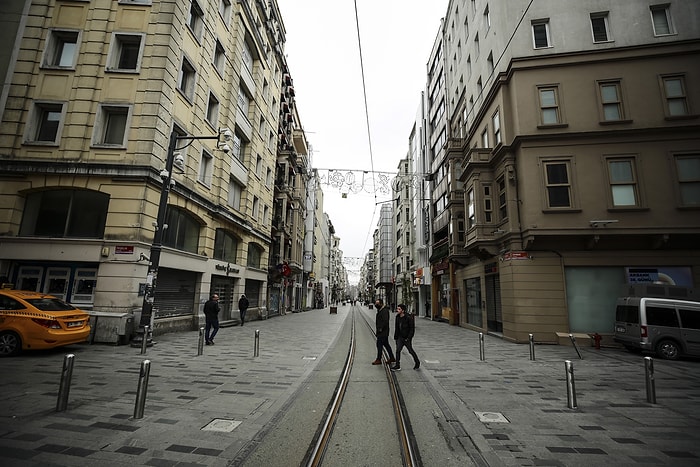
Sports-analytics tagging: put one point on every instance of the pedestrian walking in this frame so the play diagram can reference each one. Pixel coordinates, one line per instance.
(404, 329)
(211, 315)
(242, 307)
(382, 330)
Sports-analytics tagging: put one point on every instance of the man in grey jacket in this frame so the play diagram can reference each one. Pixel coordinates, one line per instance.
(382, 329)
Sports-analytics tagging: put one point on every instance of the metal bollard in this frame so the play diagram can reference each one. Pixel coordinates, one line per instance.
(570, 385)
(481, 347)
(531, 338)
(256, 348)
(64, 386)
(144, 342)
(200, 344)
(573, 342)
(142, 389)
(651, 388)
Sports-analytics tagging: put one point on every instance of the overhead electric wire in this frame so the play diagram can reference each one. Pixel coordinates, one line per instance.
(369, 134)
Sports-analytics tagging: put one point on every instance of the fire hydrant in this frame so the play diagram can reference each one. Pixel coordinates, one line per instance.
(596, 340)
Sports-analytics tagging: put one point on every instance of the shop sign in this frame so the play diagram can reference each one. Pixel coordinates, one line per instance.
(123, 250)
(515, 255)
(228, 268)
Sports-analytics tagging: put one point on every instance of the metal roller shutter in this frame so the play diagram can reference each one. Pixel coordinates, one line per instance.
(175, 293)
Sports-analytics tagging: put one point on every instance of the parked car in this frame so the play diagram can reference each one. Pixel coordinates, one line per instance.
(33, 320)
(668, 327)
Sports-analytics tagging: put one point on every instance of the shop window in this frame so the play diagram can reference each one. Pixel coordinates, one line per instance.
(226, 246)
(61, 213)
(182, 230)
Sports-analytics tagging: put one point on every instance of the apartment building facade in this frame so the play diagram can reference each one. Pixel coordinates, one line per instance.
(576, 132)
(98, 92)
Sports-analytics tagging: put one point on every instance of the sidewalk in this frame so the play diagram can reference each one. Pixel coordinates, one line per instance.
(202, 410)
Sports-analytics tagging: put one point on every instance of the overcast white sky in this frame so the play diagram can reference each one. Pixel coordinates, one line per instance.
(323, 55)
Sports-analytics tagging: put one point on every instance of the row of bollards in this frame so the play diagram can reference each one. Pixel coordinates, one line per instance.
(67, 375)
(569, 367)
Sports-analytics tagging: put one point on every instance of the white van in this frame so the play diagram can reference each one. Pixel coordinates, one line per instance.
(670, 328)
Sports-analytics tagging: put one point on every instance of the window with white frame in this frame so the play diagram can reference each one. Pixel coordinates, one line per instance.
(213, 110)
(661, 19)
(549, 105)
(243, 101)
(219, 57)
(623, 181)
(471, 210)
(487, 17)
(557, 184)
(247, 57)
(675, 95)
(688, 172)
(45, 122)
(61, 48)
(111, 125)
(268, 177)
(488, 204)
(195, 21)
(235, 190)
(540, 34)
(225, 10)
(206, 168)
(599, 27)
(258, 166)
(256, 207)
(496, 120)
(502, 198)
(485, 138)
(125, 52)
(186, 79)
(238, 148)
(611, 101)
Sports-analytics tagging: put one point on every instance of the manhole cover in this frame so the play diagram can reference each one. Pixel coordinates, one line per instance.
(220, 424)
(491, 417)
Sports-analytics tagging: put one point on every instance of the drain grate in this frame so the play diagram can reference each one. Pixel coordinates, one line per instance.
(221, 424)
(491, 417)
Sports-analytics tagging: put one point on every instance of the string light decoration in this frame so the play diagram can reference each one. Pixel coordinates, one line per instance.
(367, 181)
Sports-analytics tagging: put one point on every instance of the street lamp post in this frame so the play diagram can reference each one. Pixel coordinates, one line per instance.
(166, 175)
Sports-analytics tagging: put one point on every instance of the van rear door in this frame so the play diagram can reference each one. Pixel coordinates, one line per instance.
(627, 330)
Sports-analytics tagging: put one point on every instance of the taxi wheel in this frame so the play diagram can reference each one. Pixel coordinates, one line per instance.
(10, 344)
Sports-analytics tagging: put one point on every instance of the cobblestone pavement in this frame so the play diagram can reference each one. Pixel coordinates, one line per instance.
(202, 410)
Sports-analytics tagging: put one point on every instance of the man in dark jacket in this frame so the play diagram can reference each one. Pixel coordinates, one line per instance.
(211, 315)
(242, 307)
(382, 328)
(404, 329)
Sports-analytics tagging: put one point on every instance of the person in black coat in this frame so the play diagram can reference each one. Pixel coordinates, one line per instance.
(211, 315)
(404, 329)
(242, 307)
(382, 331)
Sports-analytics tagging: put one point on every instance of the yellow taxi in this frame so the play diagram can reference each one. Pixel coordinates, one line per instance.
(33, 320)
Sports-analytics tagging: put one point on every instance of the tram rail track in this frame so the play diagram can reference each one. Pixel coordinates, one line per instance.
(409, 452)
